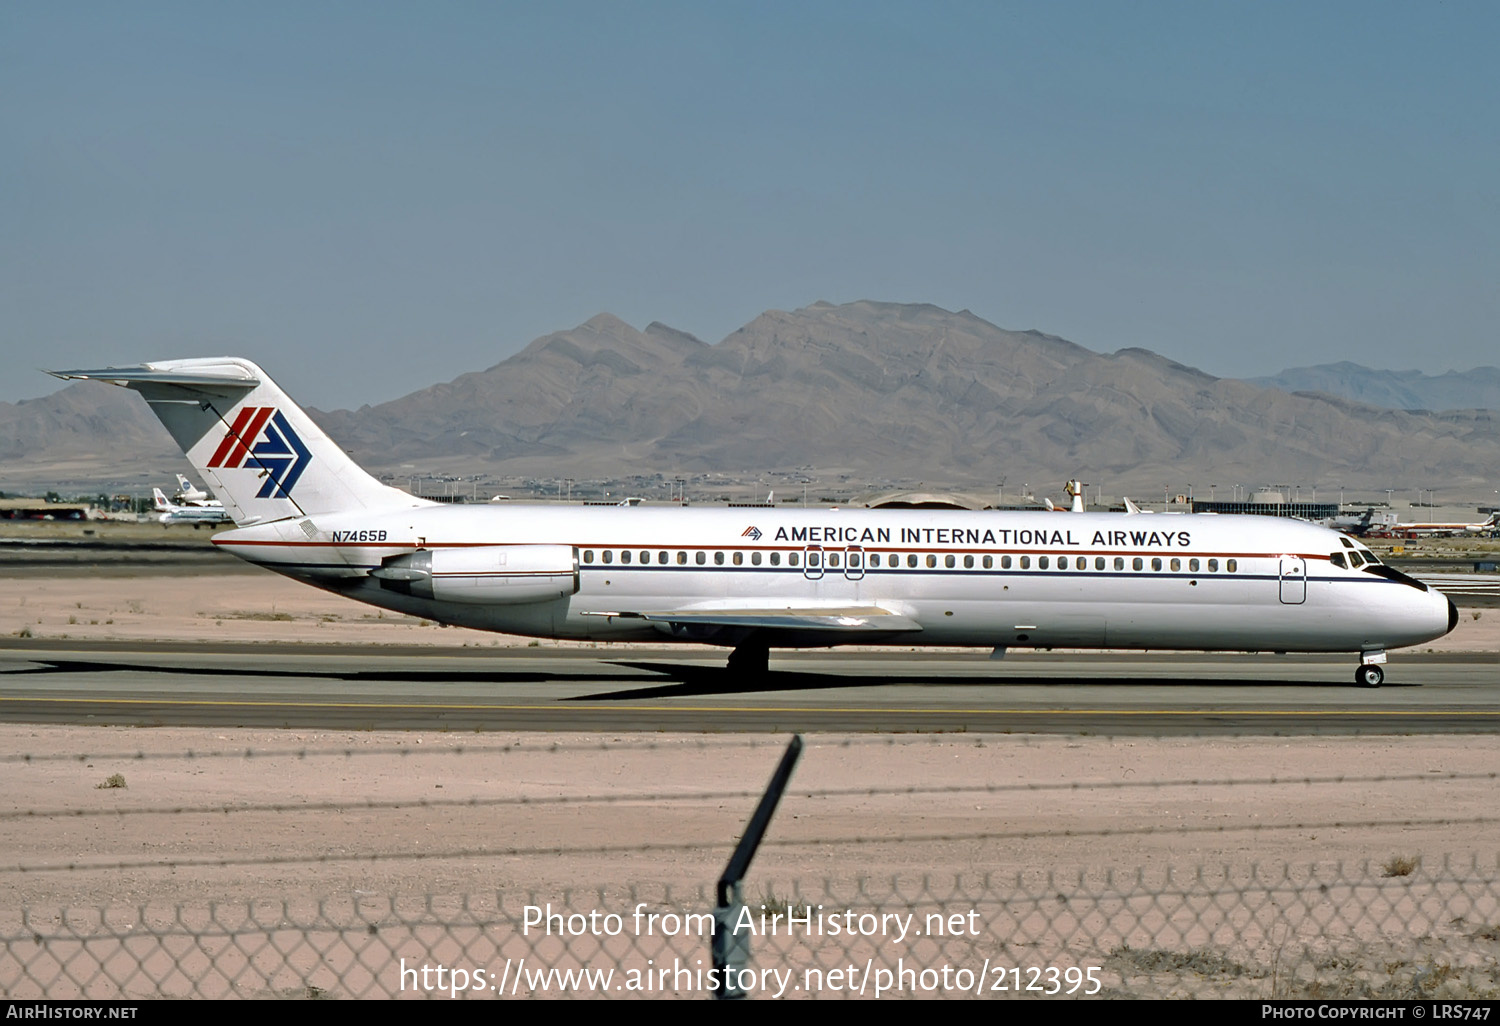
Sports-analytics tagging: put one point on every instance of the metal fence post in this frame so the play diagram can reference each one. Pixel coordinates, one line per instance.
(731, 950)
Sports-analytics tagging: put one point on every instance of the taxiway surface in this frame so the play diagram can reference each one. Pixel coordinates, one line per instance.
(369, 688)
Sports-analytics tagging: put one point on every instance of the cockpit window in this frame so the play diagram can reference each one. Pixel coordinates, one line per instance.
(1337, 559)
(1347, 543)
(1355, 559)
(1369, 556)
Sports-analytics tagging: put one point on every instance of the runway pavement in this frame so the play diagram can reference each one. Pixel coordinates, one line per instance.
(608, 690)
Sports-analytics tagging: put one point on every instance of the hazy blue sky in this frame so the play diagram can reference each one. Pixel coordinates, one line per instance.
(368, 197)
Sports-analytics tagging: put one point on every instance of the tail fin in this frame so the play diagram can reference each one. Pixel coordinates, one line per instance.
(160, 500)
(258, 451)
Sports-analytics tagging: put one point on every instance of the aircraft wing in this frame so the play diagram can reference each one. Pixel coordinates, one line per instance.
(855, 619)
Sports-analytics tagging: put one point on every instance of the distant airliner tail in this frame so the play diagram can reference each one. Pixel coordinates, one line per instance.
(258, 451)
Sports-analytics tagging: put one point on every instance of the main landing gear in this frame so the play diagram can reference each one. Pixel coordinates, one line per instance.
(1369, 674)
(750, 660)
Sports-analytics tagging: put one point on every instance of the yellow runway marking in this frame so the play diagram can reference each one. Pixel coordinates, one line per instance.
(563, 705)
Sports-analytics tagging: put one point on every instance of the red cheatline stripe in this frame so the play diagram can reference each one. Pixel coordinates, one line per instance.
(241, 435)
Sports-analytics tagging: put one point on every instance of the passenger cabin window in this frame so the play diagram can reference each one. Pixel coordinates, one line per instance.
(911, 560)
(793, 558)
(700, 558)
(588, 555)
(625, 556)
(718, 559)
(949, 562)
(931, 562)
(1062, 562)
(646, 557)
(1004, 562)
(661, 557)
(755, 558)
(775, 559)
(681, 558)
(1099, 563)
(813, 559)
(1193, 564)
(989, 562)
(739, 559)
(609, 557)
(1156, 563)
(833, 559)
(1043, 563)
(1025, 562)
(1231, 566)
(1213, 566)
(1176, 564)
(968, 562)
(1138, 563)
(854, 560)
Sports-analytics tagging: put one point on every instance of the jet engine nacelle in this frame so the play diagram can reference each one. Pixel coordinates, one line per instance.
(484, 575)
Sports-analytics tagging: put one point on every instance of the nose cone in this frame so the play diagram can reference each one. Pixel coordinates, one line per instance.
(1452, 616)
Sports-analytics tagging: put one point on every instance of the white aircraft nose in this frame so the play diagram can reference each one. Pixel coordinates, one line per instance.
(1437, 615)
(1452, 611)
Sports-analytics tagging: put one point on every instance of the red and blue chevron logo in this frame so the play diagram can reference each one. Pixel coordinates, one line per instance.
(261, 437)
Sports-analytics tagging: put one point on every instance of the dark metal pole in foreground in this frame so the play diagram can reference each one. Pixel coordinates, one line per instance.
(730, 950)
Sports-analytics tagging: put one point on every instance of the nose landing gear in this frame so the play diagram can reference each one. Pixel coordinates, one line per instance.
(1369, 674)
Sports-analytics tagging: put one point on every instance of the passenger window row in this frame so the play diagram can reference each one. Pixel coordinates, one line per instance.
(913, 560)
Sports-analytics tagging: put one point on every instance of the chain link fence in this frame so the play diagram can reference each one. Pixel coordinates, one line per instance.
(1400, 930)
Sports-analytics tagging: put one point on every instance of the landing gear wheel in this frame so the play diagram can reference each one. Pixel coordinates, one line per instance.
(750, 660)
(1370, 676)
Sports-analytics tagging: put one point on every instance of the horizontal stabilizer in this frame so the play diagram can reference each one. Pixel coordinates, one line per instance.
(225, 380)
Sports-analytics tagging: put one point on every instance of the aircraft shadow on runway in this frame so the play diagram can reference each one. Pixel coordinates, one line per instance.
(705, 681)
(688, 680)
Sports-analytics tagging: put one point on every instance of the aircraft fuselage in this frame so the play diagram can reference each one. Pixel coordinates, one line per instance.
(990, 579)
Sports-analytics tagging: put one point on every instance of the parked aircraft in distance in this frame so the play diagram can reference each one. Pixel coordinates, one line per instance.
(1420, 530)
(756, 579)
(1366, 522)
(171, 513)
(189, 495)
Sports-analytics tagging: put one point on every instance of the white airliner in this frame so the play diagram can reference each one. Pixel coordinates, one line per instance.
(1429, 528)
(754, 579)
(190, 495)
(171, 513)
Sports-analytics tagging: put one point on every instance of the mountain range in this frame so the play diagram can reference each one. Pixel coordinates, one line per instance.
(1400, 390)
(879, 392)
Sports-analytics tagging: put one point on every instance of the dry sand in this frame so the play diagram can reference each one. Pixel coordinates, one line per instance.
(644, 823)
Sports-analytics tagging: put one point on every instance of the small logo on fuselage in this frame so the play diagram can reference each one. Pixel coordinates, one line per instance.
(260, 437)
(752, 532)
